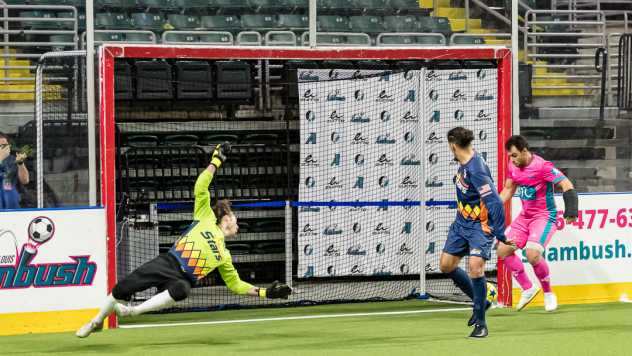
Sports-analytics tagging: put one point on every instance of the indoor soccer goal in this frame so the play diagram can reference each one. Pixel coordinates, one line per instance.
(340, 175)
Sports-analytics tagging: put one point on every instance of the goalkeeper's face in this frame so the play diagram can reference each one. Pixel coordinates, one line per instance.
(231, 227)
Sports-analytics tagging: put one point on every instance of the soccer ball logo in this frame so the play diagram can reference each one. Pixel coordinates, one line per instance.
(458, 115)
(310, 116)
(433, 159)
(41, 229)
(433, 95)
(359, 95)
(359, 159)
(309, 182)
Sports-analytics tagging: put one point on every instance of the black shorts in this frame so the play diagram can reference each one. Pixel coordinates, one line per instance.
(163, 272)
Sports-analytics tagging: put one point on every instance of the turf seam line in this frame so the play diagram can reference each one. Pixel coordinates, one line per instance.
(291, 318)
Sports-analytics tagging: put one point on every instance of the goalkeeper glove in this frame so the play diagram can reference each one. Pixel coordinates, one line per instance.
(219, 154)
(276, 290)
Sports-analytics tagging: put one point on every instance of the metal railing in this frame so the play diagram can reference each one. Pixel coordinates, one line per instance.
(531, 47)
(151, 41)
(491, 11)
(4, 30)
(624, 77)
(268, 42)
(241, 34)
(345, 34)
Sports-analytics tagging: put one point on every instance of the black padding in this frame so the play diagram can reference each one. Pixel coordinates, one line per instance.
(570, 204)
(179, 289)
(127, 287)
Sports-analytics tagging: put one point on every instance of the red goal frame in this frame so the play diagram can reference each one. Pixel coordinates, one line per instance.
(108, 53)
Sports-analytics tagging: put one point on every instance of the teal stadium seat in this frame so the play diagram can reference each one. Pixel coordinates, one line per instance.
(216, 39)
(119, 4)
(429, 40)
(406, 23)
(371, 6)
(293, 22)
(183, 22)
(43, 2)
(229, 5)
(267, 6)
(336, 6)
(230, 23)
(81, 20)
(259, 22)
(436, 25)
(112, 21)
(62, 38)
(372, 65)
(404, 6)
(75, 3)
(337, 65)
(190, 4)
(249, 39)
(332, 24)
(216, 139)
(193, 80)
(366, 24)
(360, 40)
(398, 40)
(141, 140)
(155, 4)
(180, 140)
(47, 25)
(269, 247)
(296, 5)
(238, 248)
(148, 22)
(463, 40)
(138, 37)
(326, 39)
(281, 39)
(164, 230)
(260, 138)
(181, 37)
(108, 37)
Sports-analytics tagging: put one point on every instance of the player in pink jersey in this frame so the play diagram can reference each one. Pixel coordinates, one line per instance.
(533, 179)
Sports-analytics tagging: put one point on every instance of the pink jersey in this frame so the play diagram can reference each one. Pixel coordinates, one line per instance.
(535, 187)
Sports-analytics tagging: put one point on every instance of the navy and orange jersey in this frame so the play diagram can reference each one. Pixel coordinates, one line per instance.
(479, 205)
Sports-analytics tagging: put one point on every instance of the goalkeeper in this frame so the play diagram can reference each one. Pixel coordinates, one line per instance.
(199, 251)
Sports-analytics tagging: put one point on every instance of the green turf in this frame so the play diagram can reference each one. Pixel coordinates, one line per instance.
(591, 329)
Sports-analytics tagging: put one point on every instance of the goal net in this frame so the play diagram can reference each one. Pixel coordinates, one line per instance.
(341, 177)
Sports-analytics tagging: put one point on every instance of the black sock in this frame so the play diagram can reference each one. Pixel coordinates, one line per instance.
(463, 281)
(480, 299)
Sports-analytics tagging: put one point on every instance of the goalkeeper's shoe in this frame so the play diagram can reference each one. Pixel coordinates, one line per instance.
(122, 310)
(472, 320)
(550, 302)
(91, 327)
(480, 332)
(527, 296)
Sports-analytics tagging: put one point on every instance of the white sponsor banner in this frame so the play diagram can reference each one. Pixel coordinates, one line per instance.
(52, 260)
(357, 134)
(596, 249)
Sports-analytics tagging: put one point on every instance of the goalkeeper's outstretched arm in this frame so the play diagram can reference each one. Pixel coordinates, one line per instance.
(231, 277)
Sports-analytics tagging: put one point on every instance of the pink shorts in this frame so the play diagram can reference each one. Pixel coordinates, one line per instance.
(536, 232)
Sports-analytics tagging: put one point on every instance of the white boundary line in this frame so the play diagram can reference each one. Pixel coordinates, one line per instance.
(290, 318)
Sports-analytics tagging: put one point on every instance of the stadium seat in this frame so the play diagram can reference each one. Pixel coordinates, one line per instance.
(138, 37)
(180, 140)
(272, 225)
(108, 37)
(466, 40)
(64, 25)
(62, 38)
(43, 2)
(155, 4)
(75, 3)
(153, 80)
(360, 40)
(409, 65)
(335, 6)
(42, 25)
(260, 138)
(229, 5)
(123, 83)
(118, 4)
(183, 22)
(296, 5)
(429, 40)
(238, 248)
(249, 39)
(148, 22)
(141, 140)
(164, 230)
(293, 22)
(181, 37)
(193, 80)
(366, 24)
(371, 6)
(337, 65)
(233, 80)
(281, 39)
(435, 25)
(243, 226)
(332, 24)
(401, 24)
(229, 23)
(215, 139)
(372, 65)
(267, 6)
(404, 6)
(112, 21)
(269, 247)
(258, 22)
(326, 39)
(190, 4)
(469, 64)
(398, 40)
(215, 38)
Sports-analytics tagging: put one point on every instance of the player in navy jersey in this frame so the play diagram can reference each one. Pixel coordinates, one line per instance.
(480, 217)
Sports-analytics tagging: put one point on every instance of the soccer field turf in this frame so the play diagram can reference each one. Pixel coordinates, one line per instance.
(590, 329)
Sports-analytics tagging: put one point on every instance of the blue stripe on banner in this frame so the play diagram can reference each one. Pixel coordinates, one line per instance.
(252, 205)
(355, 203)
(173, 206)
(166, 206)
(434, 203)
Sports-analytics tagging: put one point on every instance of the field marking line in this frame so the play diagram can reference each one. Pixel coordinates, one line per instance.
(291, 318)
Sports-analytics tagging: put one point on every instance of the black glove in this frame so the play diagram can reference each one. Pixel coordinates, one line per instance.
(276, 290)
(570, 204)
(219, 154)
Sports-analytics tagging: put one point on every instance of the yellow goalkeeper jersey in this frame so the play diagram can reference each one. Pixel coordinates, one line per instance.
(201, 248)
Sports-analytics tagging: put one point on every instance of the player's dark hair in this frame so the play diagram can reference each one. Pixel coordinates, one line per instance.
(460, 136)
(221, 209)
(518, 141)
(4, 136)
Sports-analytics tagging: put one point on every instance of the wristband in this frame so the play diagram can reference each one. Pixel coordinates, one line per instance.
(262, 292)
(19, 163)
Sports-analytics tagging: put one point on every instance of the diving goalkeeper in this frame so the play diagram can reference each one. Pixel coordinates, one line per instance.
(199, 251)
